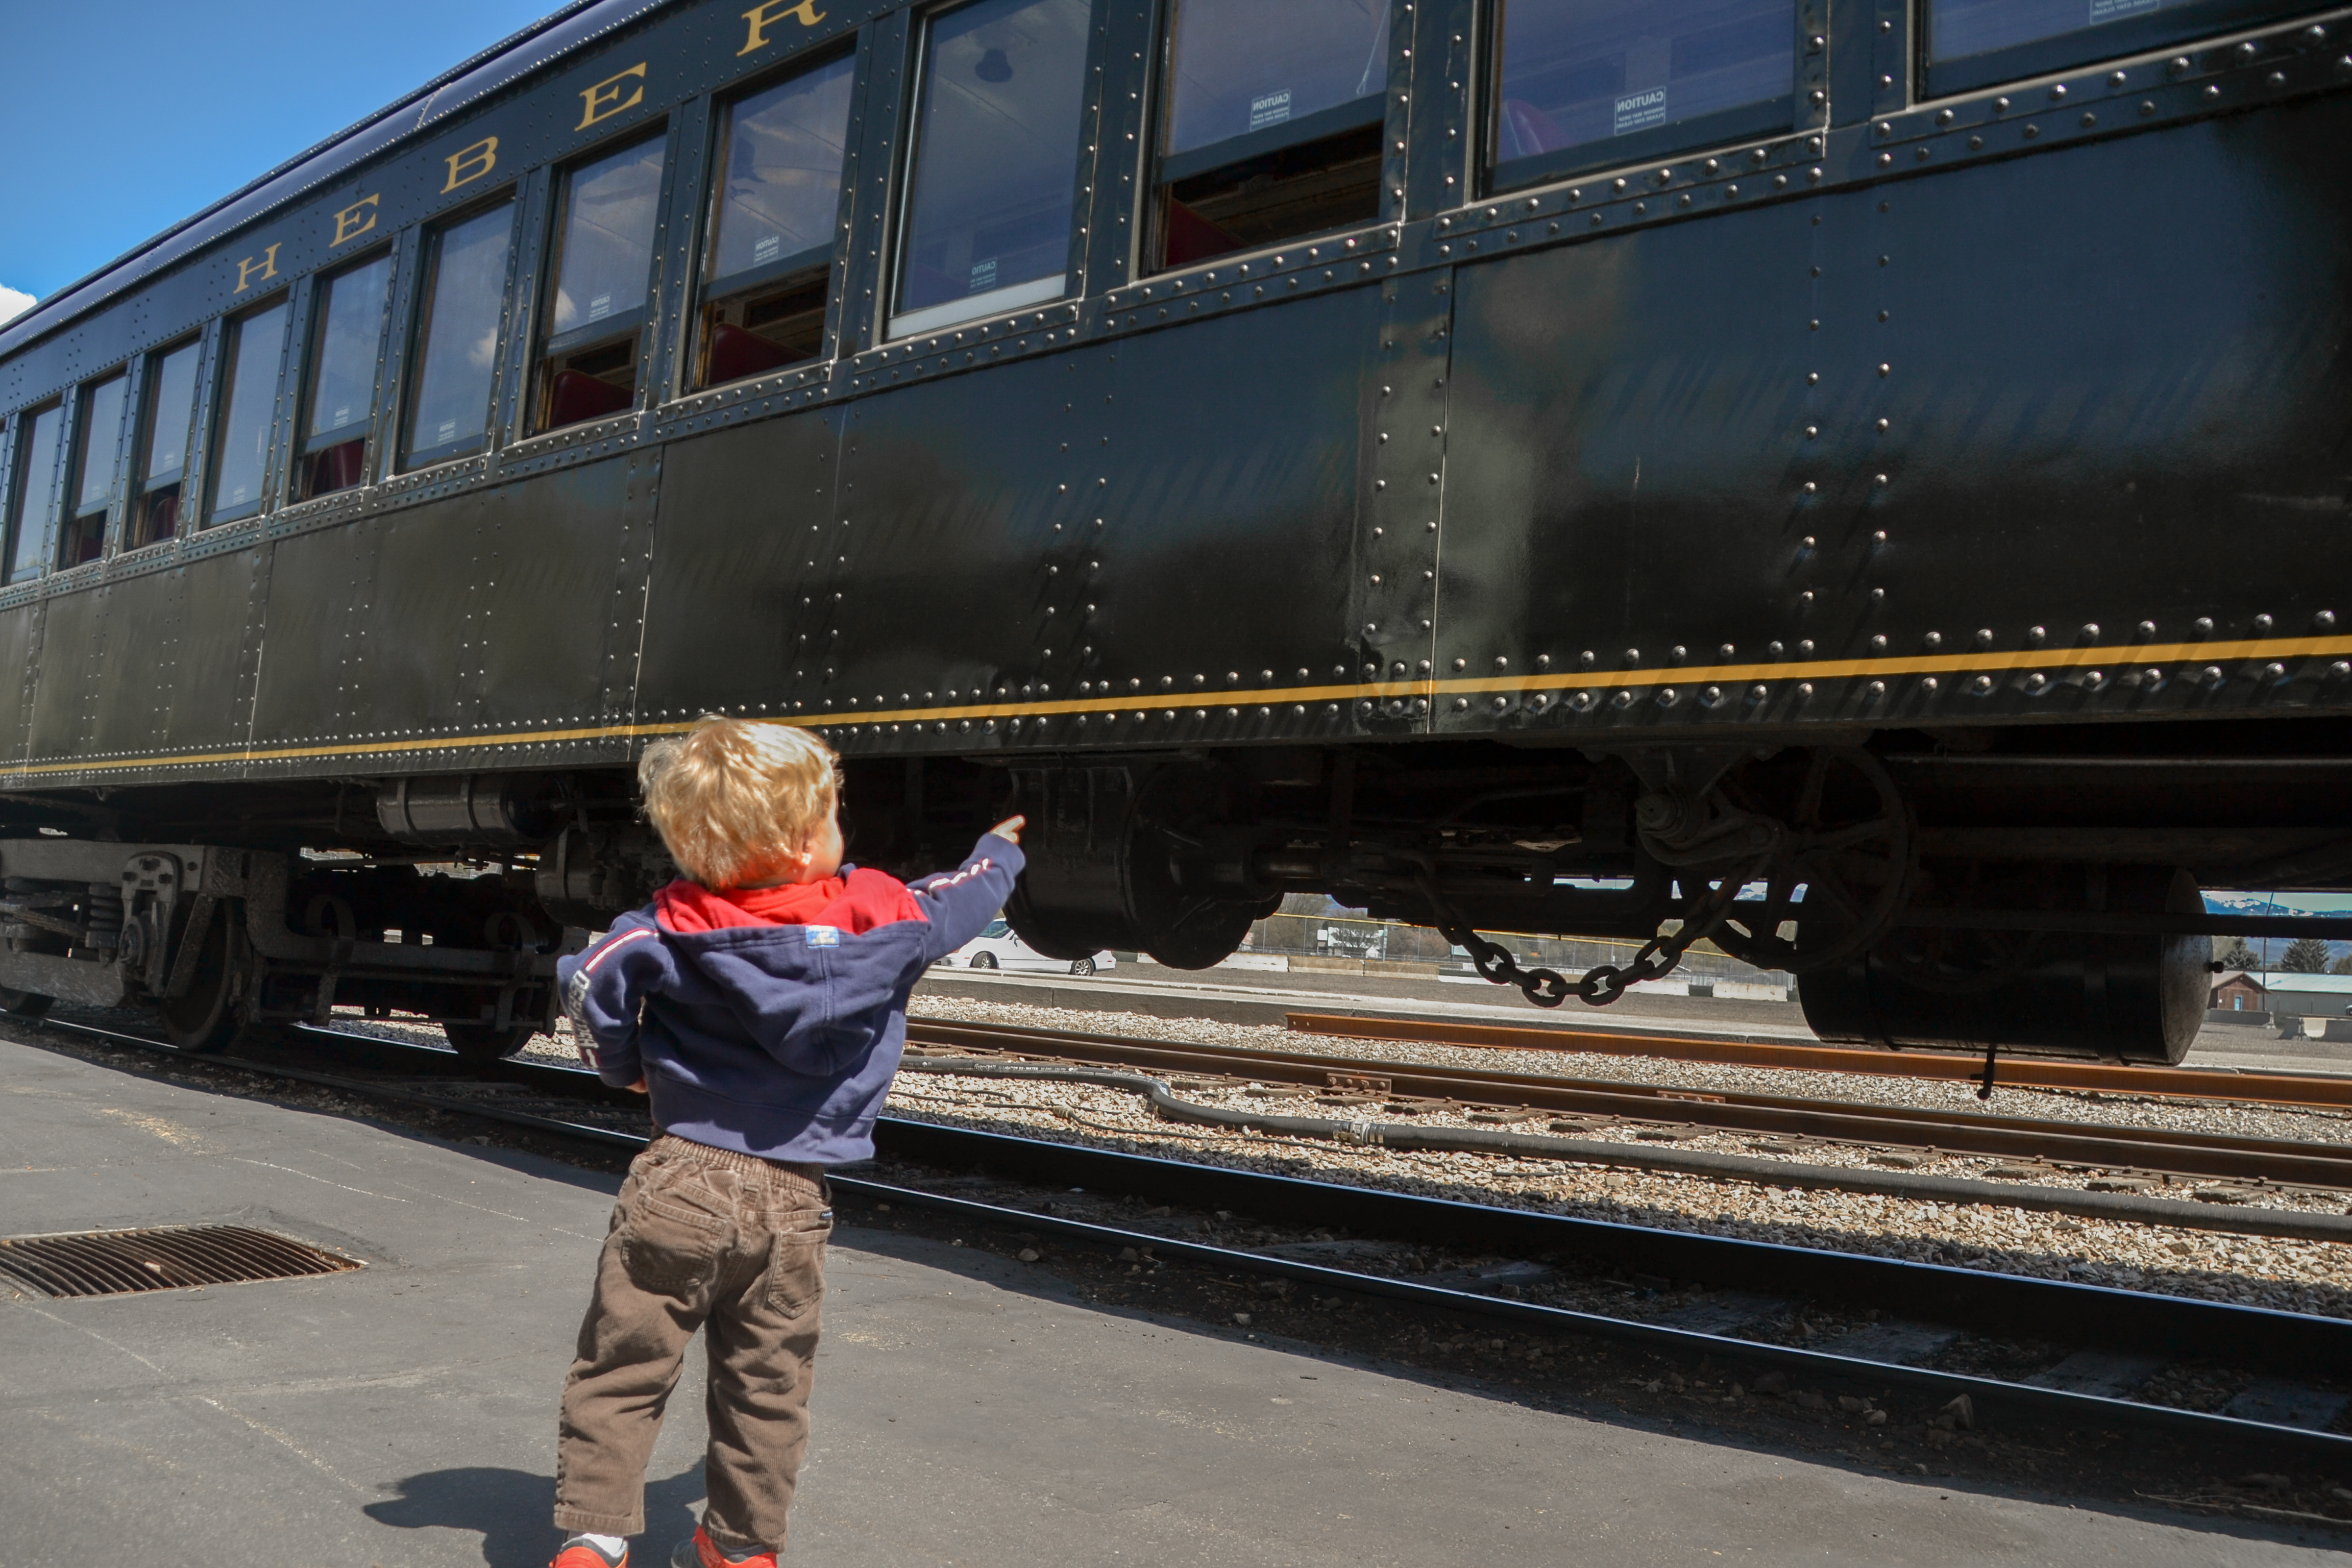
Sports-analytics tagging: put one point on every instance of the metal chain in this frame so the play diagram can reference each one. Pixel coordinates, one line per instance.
(1602, 985)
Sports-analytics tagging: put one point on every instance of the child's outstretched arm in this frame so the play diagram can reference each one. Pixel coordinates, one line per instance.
(603, 989)
(960, 903)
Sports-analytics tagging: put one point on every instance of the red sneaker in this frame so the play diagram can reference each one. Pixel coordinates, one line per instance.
(698, 1551)
(580, 1552)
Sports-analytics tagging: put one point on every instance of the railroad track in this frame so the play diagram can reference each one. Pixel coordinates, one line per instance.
(2139, 1164)
(2304, 1091)
(1715, 1297)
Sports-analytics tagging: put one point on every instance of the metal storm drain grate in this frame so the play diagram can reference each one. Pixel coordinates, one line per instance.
(117, 1262)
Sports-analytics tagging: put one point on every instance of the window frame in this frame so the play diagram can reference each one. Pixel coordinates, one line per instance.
(1782, 116)
(225, 360)
(304, 442)
(401, 456)
(83, 433)
(891, 325)
(704, 288)
(2157, 29)
(137, 484)
(1160, 171)
(19, 506)
(644, 320)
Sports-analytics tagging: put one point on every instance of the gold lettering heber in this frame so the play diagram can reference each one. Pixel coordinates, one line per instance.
(771, 12)
(471, 164)
(605, 100)
(250, 271)
(355, 219)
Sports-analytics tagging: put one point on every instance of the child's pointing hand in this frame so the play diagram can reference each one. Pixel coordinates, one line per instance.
(1010, 828)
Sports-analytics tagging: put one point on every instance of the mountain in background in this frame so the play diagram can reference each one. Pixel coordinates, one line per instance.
(2334, 906)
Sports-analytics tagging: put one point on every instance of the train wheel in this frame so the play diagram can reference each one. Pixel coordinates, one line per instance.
(210, 1017)
(23, 1004)
(1849, 846)
(481, 1044)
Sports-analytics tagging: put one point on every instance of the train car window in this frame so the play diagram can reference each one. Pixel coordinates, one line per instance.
(39, 457)
(1974, 43)
(458, 353)
(163, 444)
(256, 343)
(990, 201)
(1274, 123)
(101, 439)
(603, 274)
(343, 355)
(1588, 83)
(771, 239)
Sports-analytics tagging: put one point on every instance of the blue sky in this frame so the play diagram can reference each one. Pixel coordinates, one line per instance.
(122, 117)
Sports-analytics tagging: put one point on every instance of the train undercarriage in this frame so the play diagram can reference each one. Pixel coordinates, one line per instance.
(2033, 890)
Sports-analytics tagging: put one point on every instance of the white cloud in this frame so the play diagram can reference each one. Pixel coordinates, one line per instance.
(13, 302)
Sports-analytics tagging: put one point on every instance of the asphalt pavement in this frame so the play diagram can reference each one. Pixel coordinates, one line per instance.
(968, 1410)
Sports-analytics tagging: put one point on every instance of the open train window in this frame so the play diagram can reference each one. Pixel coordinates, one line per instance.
(603, 278)
(772, 237)
(1273, 126)
(346, 345)
(1584, 84)
(992, 199)
(240, 467)
(457, 341)
(40, 451)
(162, 464)
(1974, 43)
(96, 444)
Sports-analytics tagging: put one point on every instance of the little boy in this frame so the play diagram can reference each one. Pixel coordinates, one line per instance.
(762, 1002)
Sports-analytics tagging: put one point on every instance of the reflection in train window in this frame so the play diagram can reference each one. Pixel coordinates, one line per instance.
(1588, 83)
(457, 344)
(604, 272)
(994, 185)
(1274, 123)
(163, 460)
(97, 445)
(1975, 43)
(41, 440)
(350, 340)
(248, 406)
(771, 242)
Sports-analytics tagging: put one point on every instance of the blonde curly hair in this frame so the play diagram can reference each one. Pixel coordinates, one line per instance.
(731, 798)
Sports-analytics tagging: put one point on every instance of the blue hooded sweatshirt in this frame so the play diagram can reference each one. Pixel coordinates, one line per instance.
(778, 1040)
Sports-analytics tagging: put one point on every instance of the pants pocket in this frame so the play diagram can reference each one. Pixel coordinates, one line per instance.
(672, 1238)
(796, 1262)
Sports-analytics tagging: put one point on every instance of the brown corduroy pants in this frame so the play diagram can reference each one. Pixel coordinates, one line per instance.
(732, 1245)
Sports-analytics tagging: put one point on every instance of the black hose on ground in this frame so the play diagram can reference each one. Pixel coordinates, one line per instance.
(2287, 1222)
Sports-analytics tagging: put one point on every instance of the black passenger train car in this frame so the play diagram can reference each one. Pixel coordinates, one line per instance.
(1543, 465)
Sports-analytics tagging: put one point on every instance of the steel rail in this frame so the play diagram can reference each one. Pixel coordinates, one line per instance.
(2154, 1149)
(2315, 1092)
(2258, 1338)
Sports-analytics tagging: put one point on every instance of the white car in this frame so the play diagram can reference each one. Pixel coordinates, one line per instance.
(1000, 947)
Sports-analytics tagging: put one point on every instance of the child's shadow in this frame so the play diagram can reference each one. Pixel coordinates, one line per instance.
(510, 1509)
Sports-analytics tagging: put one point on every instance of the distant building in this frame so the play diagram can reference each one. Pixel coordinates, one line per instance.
(2235, 991)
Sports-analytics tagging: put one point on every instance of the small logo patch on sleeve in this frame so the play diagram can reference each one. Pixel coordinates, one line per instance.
(824, 936)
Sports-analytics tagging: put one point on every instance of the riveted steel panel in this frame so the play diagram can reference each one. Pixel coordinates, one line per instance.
(1896, 442)
(931, 577)
(745, 518)
(210, 682)
(541, 586)
(1229, 490)
(141, 639)
(1621, 436)
(318, 617)
(71, 666)
(20, 656)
